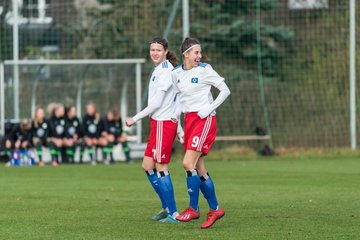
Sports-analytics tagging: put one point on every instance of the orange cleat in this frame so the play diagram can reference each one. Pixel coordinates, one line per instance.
(212, 217)
(41, 164)
(54, 163)
(188, 214)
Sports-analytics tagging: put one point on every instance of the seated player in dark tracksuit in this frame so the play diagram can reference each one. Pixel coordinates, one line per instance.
(73, 134)
(20, 136)
(39, 133)
(56, 133)
(92, 130)
(113, 133)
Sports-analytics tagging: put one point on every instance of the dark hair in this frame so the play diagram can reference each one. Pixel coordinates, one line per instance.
(116, 113)
(187, 43)
(171, 56)
(68, 108)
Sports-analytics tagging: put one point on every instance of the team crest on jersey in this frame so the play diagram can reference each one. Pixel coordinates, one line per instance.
(40, 132)
(178, 81)
(71, 131)
(153, 78)
(194, 80)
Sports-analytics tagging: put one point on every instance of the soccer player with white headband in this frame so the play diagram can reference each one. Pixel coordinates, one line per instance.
(163, 127)
(193, 80)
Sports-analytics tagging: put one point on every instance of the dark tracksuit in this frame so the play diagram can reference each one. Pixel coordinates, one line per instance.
(20, 135)
(40, 131)
(57, 130)
(115, 128)
(73, 127)
(92, 129)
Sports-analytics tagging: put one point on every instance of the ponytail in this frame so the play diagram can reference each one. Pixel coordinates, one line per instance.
(171, 56)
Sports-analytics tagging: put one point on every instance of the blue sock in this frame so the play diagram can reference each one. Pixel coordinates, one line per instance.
(208, 189)
(153, 179)
(167, 190)
(193, 184)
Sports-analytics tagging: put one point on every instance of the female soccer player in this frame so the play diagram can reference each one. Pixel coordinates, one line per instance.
(113, 133)
(73, 134)
(39, 132)
(193, 80)
(57, 130)
(92, 129)
(19, 138)
(163, 128)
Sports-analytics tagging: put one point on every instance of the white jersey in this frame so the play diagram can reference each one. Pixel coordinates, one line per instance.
(161, 81)
(194, 85)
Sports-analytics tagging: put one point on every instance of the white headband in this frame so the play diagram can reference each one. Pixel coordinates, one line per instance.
(190, 48)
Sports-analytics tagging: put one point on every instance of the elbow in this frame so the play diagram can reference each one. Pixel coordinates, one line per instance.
(227, 92)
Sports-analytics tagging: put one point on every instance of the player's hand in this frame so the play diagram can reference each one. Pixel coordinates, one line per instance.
(180, 135)
(129, 122)
(205, 111)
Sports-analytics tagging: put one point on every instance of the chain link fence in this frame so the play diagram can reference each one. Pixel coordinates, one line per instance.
(285, 61)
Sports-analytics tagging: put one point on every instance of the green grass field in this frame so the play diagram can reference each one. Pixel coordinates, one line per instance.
(306, 197)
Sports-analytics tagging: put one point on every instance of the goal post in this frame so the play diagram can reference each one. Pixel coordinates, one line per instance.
(2, 101)
(66, 81)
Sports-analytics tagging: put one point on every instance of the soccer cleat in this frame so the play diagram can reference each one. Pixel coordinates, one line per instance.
(169, 219)
(212, 217)
(188, 214)
(161, 215)
(41, 164)
(54, 164)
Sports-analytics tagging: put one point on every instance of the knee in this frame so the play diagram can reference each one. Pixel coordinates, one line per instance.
(87, 142)
(188, 165)
(58, 143)
(111, 138)
(25, 144)
(104, 142)
(147, 165)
